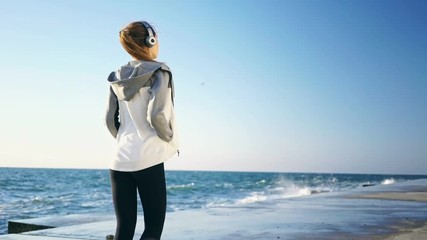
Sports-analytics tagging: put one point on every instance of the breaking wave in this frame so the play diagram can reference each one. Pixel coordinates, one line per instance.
(388, 181)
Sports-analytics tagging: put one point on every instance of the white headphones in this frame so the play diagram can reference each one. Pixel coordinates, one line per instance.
(150, 41)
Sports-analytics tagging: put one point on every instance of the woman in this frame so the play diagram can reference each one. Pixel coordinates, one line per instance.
(140, 115)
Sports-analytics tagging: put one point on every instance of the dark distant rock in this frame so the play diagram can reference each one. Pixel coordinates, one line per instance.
(368, 184)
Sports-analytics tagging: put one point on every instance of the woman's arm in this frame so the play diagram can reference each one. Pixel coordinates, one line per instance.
(112, 114)
(162, 96)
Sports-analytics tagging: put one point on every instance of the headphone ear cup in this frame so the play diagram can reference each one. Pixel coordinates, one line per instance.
(150, 41)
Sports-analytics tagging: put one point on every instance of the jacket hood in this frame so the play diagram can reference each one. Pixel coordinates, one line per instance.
(131, 77)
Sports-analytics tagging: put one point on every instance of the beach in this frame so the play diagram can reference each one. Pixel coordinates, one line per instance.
(396, 211)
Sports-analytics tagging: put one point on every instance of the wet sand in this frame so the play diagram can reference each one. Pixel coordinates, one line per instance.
(416, 233)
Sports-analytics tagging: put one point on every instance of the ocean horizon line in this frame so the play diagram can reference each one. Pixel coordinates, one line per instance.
(228, 171)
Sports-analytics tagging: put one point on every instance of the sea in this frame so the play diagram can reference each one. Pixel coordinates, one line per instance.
(32, 193)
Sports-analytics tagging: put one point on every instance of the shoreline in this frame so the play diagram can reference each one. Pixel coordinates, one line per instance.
(407, 229)
(392, 212)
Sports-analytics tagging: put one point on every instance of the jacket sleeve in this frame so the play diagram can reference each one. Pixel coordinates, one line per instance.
(161, 96)
(112, 114)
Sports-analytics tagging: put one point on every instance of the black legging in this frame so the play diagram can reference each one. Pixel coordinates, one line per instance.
(151, 187)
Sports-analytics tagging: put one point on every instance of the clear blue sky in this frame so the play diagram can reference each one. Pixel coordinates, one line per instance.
(289, 86)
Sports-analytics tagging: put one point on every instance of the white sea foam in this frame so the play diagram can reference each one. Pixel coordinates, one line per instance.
(226, 185)
(181, 186)
(388, 181)
(292, 190)
(261, 182)
(283, 189)
(254, 197)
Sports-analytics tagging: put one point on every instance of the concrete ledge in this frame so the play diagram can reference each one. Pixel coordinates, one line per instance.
(26, 237)
(34, 224)
(20, 227)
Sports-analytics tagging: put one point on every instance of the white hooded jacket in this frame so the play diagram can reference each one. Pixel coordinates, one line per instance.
(141, 116)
